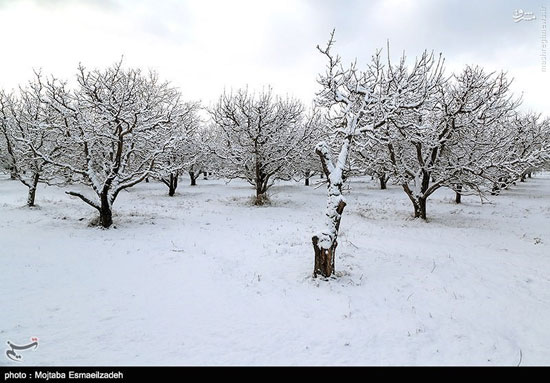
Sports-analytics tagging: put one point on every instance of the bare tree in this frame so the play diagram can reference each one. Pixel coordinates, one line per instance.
(24, 122)
(350, 97)
(260, 137)
(113, 128)
(182, 152)
(429, 147)
(363, 102)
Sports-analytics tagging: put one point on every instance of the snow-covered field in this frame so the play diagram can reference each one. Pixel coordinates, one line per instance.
(206, 278)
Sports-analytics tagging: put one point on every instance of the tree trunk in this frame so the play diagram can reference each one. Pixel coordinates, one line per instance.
(522, 179)
(529, 174)
(261, 196)
(324, 259)
(307, 174)
(420, 208)
(147, 180)
(105, 212)
(172, 184)
(458, 197)
(383, 181)
(325, 254)
(194, 177)
(325, 243)
(32, 190)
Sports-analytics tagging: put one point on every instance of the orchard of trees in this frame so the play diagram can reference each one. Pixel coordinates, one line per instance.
(405, 123)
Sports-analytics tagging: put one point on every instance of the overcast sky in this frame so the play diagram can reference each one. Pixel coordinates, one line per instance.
(204, 46)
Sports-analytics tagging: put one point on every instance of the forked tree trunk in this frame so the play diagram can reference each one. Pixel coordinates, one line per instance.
(32, 189)
(261, 194)
(458, 197)
(194, 177)
(105, 212)
(418, 195)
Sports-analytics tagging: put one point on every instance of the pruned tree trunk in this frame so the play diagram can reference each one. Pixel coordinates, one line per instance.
(325, 243)
(458, 191)
(32, 189)
(325, 252)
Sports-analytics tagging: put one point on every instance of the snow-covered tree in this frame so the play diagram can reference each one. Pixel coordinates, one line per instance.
(182, 152)
(349, 96)
(6, 159)
(426, 145)
(202, 158)
(113, 127)
(24, 121)
(307, 162)
(529, 147)
(260, 137)
(361, 102)
(371, 158)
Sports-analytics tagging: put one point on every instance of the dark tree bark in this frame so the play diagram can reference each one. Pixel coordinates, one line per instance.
(522, 179)
(383, 182)
(419, 201)
(193, 176)
(172, 183)
(420, 208)
(529, 175)
(105, 211)
(307, 175)
(32, 189)
(458, 197)
(261, 192)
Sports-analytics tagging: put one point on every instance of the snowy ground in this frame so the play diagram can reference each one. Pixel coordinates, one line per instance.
(205, 278)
